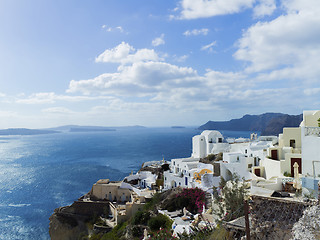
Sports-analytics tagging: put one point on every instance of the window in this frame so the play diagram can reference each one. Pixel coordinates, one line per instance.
(250, 165)
(246, 151)
(292, 143)
(220, 140)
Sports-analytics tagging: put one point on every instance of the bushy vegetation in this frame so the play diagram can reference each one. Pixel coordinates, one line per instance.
(287, 174)
(153, 202)
(162, 234)
(141, 217)
(192, 199)
(160, 221)
(118, 232)
(231, 200)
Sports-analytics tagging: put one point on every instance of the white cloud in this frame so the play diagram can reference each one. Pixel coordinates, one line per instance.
(311, 91)
(51, 97)
(112, 29)
(57, 110)
(287, 47)
(124, 53)
(192, 9)
(158, 41)
(140, 79)
(195, 32)
(264, 8)
(209, 47)
(180, 58)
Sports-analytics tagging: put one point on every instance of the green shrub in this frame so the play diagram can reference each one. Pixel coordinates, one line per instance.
(159, 182)
(153, 202)
(165, 167)
(137, 231)
(95, 236)
(160, 221)
(230, 202)
(141, 218)
(286, 174)
(116, 232)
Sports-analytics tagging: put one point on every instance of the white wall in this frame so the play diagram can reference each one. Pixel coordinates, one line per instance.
(199, 146)
(272, 167)
(310, 152)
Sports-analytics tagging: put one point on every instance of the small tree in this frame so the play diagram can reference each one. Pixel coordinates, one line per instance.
(319, 122)
(231, 198)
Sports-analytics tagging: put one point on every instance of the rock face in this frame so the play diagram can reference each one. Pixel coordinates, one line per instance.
(66, 226)
(267, 123)
(70, 222)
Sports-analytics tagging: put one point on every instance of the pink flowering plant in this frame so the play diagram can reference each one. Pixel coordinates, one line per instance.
(192, 198)
(162, 234)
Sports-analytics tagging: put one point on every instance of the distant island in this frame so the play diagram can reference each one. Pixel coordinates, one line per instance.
(60, 129)
(266, 124)
(91, 129)
(25, 131)
(178, 127)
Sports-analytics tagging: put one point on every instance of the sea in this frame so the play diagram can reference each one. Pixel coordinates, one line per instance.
(39, 173)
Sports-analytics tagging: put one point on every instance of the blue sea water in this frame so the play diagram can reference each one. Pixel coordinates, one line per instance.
(42, 172)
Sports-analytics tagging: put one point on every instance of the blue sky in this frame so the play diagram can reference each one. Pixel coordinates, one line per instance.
(156, 63)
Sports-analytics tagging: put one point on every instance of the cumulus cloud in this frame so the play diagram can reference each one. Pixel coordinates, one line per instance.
(124, 53)
(287, 47)
(195, 32)
(192, 9)
(209, 47)
(158, 41)
(264, 8)
(140, 78)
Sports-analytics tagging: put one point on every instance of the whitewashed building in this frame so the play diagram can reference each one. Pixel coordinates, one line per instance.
(237, 163)
(310, 148)
(145, 179)
(209, 142)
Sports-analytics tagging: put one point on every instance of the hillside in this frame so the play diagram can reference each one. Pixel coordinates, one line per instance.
(267, 123)
(25, 131)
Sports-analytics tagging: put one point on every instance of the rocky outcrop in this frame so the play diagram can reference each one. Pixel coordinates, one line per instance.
(71, 222)
(65, 225)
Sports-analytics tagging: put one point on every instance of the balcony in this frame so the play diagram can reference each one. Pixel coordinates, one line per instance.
(312, 131)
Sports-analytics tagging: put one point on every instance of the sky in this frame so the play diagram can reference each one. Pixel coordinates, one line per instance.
(154, 62)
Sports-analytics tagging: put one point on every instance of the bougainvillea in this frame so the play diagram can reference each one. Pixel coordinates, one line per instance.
(193, 199)
(163, 234)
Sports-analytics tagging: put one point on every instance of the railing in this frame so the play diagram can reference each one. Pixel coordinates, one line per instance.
(315, 131)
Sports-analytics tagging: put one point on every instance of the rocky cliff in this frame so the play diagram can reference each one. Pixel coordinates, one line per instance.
(267, 123)
(71, 222)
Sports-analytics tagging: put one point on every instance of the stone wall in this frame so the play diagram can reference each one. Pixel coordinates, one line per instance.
(273, 218)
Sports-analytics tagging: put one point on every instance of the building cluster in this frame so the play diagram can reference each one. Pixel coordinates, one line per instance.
(267, 163)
